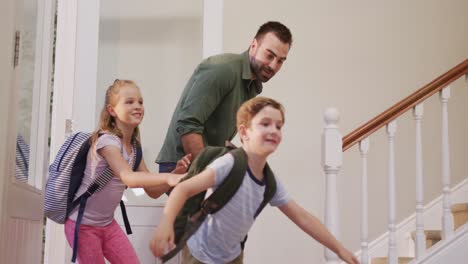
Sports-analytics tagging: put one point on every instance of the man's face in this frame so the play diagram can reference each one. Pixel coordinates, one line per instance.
(267, 55)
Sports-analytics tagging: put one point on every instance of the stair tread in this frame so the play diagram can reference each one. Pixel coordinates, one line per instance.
(459, 207)
(430, 234)
(383, 260)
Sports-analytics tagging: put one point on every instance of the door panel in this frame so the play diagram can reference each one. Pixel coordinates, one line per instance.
(25, 74)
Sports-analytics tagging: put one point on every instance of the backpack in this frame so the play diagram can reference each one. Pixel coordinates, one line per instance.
(196, 208)
(65, 177)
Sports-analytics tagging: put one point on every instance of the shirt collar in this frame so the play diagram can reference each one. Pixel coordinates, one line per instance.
(247, 73)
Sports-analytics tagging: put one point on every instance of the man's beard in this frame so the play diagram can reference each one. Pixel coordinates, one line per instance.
(258, 68)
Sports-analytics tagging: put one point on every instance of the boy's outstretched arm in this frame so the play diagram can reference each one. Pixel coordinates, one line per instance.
(164, 236)
(313, 227)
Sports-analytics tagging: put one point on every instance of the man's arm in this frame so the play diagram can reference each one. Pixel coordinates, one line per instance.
(192, 144)
(205, 94)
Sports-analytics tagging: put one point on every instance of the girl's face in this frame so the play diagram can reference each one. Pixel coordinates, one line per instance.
(129, 109)
(264, 133)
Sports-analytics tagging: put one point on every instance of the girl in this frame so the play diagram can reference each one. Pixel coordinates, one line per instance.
(99, 234)
(259, 122)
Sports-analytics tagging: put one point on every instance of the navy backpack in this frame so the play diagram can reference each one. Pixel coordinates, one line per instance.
(65, 177)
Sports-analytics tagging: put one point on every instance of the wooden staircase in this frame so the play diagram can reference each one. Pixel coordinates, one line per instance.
(460, 217)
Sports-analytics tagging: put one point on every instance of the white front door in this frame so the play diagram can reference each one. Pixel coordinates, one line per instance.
(26, 27)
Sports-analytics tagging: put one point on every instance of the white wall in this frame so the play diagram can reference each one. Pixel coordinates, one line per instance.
(359, 56)
(157, 44)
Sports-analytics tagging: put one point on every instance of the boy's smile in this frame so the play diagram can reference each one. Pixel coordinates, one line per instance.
(264, 133)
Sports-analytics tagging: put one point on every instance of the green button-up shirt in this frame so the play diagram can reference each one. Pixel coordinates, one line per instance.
(209, 103)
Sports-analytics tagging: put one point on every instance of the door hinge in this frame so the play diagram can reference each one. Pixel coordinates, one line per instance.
(17, 49)
(68, 127)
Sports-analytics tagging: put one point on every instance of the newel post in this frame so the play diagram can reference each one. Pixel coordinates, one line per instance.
(332, 159)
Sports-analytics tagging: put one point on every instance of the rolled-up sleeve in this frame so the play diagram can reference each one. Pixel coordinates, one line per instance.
(208, 88)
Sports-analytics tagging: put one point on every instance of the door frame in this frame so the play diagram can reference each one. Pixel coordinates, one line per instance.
(74, 93)
(12, 192)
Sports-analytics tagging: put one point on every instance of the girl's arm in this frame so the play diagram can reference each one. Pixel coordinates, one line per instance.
(314, 228)
(153, 191)
(164, 235)
(156, 191)
(135, 179)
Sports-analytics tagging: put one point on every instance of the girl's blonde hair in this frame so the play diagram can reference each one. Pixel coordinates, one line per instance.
(107, 121)
(252, 107)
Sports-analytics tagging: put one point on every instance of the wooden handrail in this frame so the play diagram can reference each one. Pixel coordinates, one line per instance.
(404, 105)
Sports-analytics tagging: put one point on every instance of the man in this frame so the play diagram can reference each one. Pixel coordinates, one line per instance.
(206, 112)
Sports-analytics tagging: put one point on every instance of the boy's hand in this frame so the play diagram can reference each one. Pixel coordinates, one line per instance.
(162, 239)
(183, 164)
(347, 256)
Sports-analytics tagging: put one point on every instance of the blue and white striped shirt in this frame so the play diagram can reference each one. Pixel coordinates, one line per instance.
(218, 238)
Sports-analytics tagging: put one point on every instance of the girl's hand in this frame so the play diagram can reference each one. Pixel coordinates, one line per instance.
(183, 164)
(162, 239)
(174, 179)
(347, 256)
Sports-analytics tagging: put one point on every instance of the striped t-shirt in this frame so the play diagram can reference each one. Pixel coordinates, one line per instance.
(100, 206)
(218, 238)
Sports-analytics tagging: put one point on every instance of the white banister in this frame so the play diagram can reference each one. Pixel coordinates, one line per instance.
(418, 111)
(364, 149)
(447, 218)
(332, 159)
(392, 247)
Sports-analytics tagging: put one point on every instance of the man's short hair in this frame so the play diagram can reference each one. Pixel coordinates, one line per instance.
(280, 30)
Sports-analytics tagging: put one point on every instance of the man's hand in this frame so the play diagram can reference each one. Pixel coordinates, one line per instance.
(183, 164)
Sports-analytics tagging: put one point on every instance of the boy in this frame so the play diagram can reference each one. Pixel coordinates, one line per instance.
(259, 123)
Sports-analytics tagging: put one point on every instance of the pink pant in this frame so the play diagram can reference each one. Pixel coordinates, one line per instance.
(97, 242)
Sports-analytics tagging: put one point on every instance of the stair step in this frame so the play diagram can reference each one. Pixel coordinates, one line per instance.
(460, 214)
(383, 260)
(432, 237)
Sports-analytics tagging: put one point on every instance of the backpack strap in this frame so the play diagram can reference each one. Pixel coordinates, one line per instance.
(218, 198)
(270, 190)
(226, 190)
(104, 178)
(137, 156)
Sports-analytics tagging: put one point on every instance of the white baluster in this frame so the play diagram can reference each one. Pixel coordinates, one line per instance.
(392, 246)
(420, 236)
(332, 159)
(364, 149)
(447, 218)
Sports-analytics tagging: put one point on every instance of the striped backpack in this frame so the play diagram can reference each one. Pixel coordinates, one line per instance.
(65, 177)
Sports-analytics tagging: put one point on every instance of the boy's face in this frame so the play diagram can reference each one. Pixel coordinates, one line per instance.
(264, 133)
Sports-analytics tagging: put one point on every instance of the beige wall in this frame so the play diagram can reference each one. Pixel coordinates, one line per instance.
(361, 57)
